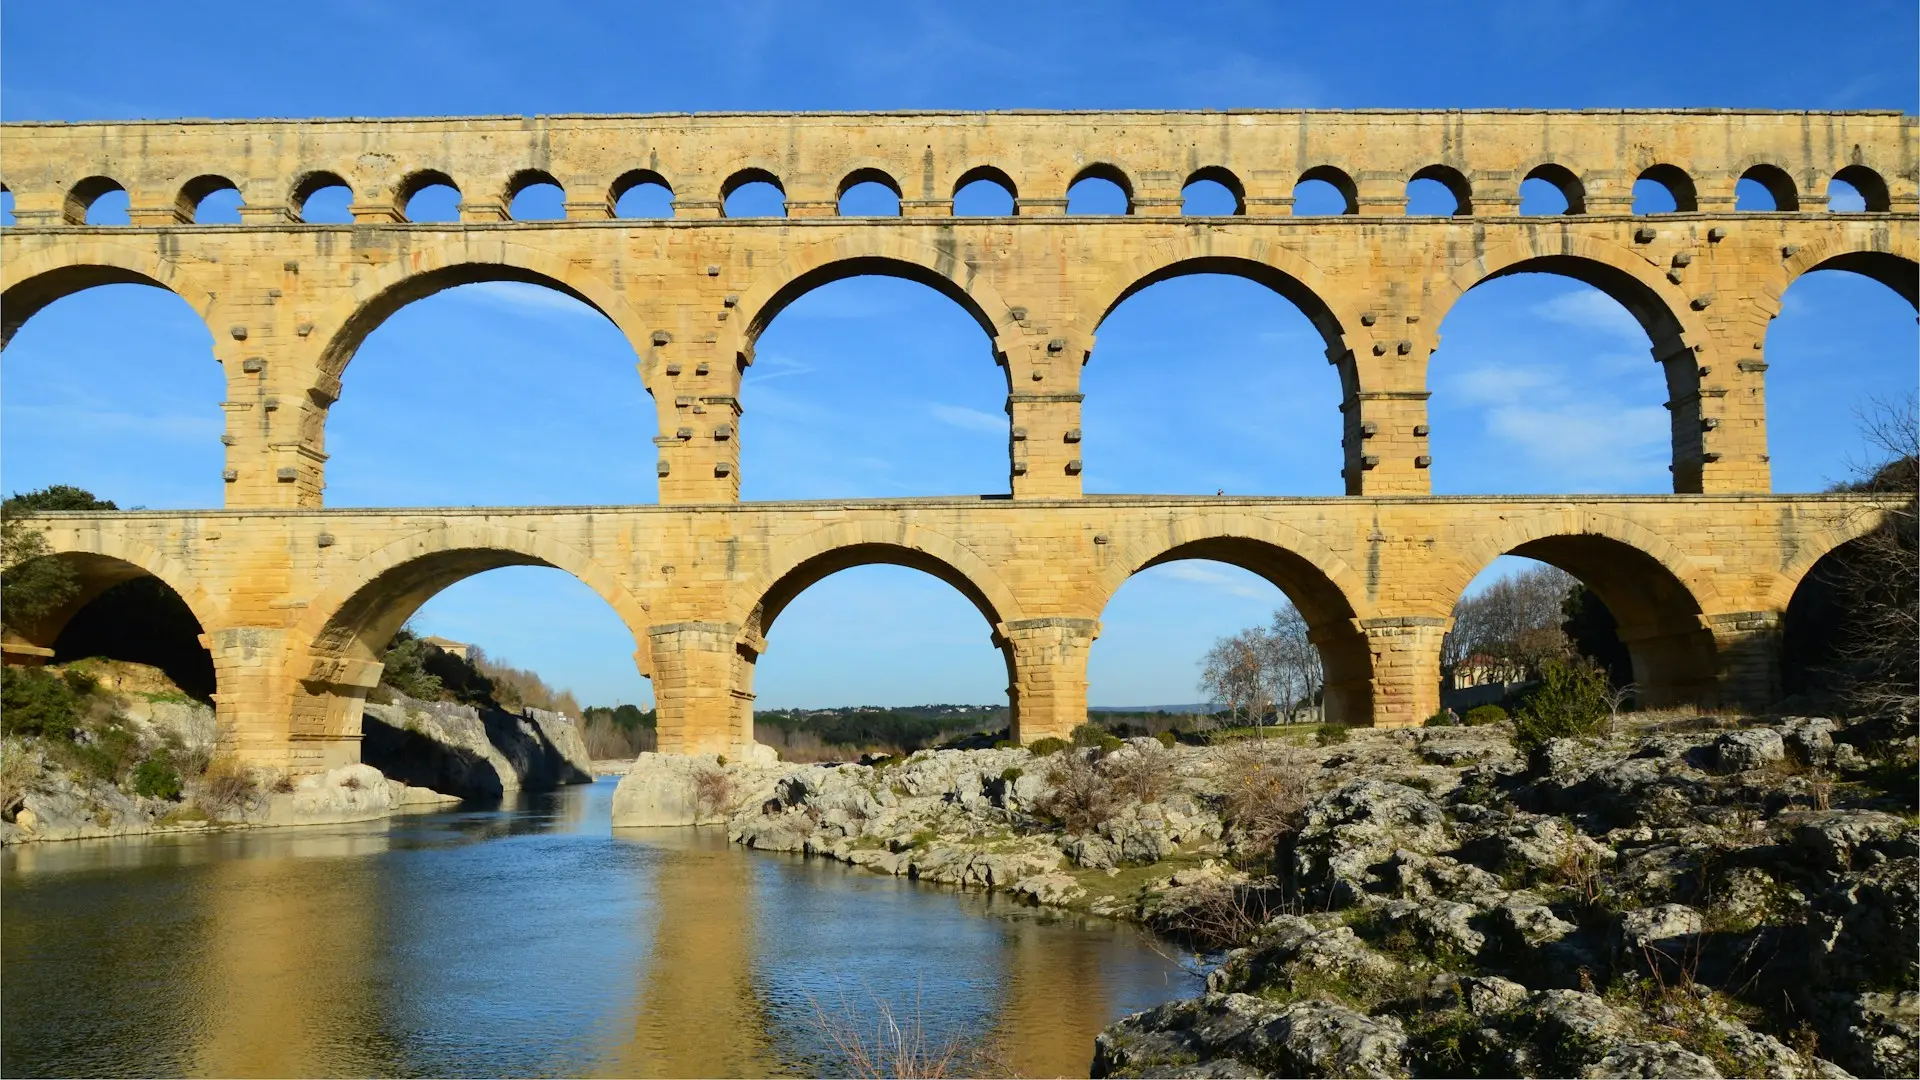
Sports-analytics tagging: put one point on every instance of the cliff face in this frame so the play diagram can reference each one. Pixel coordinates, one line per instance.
(470, 752)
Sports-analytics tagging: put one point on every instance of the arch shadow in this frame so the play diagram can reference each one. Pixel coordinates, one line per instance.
(32, 282)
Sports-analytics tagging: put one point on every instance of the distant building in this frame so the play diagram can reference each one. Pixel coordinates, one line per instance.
(451, 648)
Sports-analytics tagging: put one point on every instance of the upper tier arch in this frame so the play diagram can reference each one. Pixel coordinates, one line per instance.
(35, 280)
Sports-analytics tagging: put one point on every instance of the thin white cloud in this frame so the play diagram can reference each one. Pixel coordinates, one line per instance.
(1591, 309)
(1592, 445)
(527, 298)
(1207, 577)
(966, 419)
(1498, 384)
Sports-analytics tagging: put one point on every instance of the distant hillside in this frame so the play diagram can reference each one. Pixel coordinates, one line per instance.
(1200, 709)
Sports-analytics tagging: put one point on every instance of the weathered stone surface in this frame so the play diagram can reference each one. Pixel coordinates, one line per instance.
(460, 749)
(1240, 1035)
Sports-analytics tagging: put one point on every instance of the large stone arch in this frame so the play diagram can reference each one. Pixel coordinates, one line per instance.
(1875, 252)
(467, 259)
(1659, 598)
(334, 647)
(1660, 306)
(1849, 525)
(37, 279)
(102, 559)
(802, 562)
(1208, 251)
(860, 252)
(1332, 597)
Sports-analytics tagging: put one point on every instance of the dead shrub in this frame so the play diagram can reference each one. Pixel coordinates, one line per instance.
(900, 1046)
(226, 788)
(1265, 790)
(1078, 796)
(712, 791)
(1141, 775)
(1221, 914)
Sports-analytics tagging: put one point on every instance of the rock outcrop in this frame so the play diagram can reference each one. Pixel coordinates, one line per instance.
(1677, 901)
(472, 752)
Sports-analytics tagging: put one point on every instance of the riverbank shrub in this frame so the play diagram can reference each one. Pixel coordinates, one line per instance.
(1329, 734)
(1570, 699)
(36, 703)
(156, 777)
(1265, 787)
(1047, 747)
(1485, 714)
(1078, 797)
(225, 788)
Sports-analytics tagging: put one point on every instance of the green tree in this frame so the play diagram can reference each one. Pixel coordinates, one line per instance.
(1590, 626)
(31, 584)
(1572, 698)
(34, 702)
(406, 667)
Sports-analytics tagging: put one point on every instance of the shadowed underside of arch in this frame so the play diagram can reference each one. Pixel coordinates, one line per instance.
(941, 271)
(818, 568)
(38, 280)
(1295, 288)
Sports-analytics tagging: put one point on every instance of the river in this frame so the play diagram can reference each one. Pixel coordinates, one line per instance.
(529, 939)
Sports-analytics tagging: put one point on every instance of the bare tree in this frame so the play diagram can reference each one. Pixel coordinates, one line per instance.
(1512, 626)
(1296, 672)
(1878, 577)
(1234, 673)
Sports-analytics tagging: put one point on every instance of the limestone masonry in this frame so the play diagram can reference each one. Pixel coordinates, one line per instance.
(296, 601)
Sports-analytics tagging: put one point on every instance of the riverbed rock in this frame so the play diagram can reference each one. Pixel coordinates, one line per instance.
(1738, 751)
(678, 789)
(1241, 1035)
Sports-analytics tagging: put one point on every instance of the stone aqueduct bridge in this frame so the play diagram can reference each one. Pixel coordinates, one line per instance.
(296, 600)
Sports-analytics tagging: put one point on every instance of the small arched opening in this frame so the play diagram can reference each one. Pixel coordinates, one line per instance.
(1100, 189)
(868, 193)
(1551, 190)
(1765, 188)
(1857, 189)
(1212, 192)
(323, 198)
(753, 193)
(984, 191)
(120, 612)
(1439, 191)
(209, 200)
(96, 200)
(429, 196)
(641, 193)
(1664, 189)
(1324, 190)
(534, 195)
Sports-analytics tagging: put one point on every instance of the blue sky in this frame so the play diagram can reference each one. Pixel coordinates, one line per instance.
(507, 394)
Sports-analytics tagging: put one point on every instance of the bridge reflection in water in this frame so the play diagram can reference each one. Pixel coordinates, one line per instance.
(522, 942)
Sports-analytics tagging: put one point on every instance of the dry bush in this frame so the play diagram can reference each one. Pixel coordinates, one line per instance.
(1221, 914)
(1142, 775)
(712, 791)
(1078, 796)
(900, 1047)
(1265, 789)
(19, 776)
(227, 787)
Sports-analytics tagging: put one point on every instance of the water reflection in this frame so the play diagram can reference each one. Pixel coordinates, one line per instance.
(522, 940)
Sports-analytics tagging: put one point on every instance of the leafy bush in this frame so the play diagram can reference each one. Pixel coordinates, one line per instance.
(1047, 747)
(1089, 734)
(1328, 734)
(103, 750)
(1485, 714)
(156, 777)
(1571, 699)
(33, 702)
(1011, 774)
(1166, 738)
(405, 667)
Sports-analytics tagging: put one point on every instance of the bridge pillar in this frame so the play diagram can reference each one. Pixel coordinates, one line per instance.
(696, 393)
(698, 673)
(1047, 659)
(1405, 683)
(1674, 666)
(1383, 410)
(1043, 405)
(1748, 646)
(1719, 386)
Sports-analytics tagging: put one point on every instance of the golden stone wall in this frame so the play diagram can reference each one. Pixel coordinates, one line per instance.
(296, 601)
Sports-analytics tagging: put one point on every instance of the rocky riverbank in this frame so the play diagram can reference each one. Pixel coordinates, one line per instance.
(138, 757)
(1676, 901)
